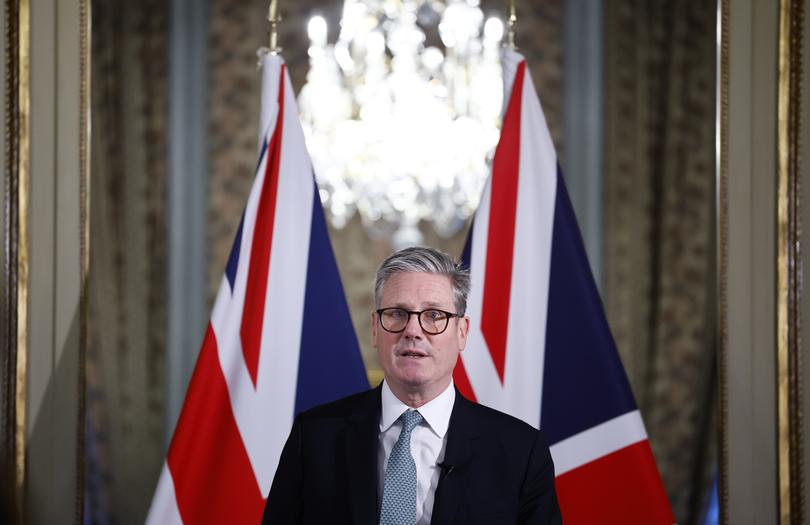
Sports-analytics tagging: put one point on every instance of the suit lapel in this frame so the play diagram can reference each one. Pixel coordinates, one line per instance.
(360, 446)
(459, 453)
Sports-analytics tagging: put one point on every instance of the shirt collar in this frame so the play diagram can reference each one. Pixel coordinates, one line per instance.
(436, 412)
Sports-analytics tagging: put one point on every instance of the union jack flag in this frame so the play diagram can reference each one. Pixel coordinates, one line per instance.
(280, 339)
(539, 346)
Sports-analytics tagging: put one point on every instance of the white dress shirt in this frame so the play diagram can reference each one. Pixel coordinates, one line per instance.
(428, 442)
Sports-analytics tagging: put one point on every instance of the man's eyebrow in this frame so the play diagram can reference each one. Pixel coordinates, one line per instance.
(425, 306)
(434, 304)
(404, 306)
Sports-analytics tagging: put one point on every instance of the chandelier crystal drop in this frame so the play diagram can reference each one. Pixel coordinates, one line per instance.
(398, 130)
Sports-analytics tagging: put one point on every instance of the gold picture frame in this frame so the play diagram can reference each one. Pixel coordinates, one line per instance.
(14, 301)
(15, 240)
(789, 279)
(14, 298)
(788, 287)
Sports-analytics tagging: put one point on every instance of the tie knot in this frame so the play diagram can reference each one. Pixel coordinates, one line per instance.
(410, 418)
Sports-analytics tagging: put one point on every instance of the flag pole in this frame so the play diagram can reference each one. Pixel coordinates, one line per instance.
(274, 18)
(511, 22)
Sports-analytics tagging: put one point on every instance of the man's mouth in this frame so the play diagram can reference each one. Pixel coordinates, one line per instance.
(413, 354)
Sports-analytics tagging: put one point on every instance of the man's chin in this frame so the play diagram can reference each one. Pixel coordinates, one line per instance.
(412, 380)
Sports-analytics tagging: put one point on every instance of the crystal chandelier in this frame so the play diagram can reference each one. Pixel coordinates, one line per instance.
(398, 130)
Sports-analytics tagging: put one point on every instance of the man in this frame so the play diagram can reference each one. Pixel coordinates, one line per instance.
(413, 450)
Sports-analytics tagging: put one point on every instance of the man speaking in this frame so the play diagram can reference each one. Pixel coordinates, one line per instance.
(413, 450)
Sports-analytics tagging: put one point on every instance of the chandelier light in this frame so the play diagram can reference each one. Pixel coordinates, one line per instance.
(398, 130)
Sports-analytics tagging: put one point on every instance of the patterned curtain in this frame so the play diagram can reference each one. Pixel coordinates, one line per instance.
(125, 357)
(659, 267)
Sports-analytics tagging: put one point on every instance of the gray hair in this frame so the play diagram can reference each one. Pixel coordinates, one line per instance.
(421, 259)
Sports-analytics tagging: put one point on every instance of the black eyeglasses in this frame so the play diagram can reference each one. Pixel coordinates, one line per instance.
(432, 321)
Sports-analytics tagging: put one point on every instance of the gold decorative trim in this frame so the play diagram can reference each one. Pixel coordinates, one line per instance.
(789, 404)
(23, 159)
(84, 242)
(8, 321)
(783, 461)
(796, 367)
(783, 415)
(722, 260)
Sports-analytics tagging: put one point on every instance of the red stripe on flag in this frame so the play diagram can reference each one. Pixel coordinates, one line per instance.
(213, 479)
(255, 294)
(462, 381)
(501, 234)
(623, 487)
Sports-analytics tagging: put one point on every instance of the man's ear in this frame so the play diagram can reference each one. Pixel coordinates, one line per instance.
(374, 329)
(463, 331)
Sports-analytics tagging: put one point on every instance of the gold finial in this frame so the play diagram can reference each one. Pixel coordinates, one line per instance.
(511, 22)
(274, 18)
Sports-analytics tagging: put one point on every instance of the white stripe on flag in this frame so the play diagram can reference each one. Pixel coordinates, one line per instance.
(277, 377)
(286, 288)
(476, 357)
(531, 261)
(268, 107)
(599, 441)
(163, 510)
(521, 392)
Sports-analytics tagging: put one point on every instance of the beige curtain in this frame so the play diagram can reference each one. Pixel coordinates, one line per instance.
(659, 228)
(125, 357)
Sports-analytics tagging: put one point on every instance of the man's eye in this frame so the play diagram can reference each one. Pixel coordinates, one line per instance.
(434, 315)
(396, 314)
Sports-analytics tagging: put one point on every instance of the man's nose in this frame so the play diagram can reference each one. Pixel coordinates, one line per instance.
(413, 329)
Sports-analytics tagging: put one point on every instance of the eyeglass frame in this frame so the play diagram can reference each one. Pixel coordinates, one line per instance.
(418, 315)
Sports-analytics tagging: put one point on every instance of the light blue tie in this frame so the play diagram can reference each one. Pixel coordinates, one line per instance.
(399, 490)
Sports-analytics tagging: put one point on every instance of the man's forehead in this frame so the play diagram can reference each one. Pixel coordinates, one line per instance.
(431, 289)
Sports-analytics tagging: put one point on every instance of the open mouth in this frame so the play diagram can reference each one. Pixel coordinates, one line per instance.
(413, 355)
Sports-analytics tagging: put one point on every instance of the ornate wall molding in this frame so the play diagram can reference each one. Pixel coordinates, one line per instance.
(15, 246)
(789, 289)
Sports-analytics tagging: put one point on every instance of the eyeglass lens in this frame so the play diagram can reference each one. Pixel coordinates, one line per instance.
(396, 319)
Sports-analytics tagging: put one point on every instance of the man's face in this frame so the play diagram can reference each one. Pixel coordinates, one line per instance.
(412, 360)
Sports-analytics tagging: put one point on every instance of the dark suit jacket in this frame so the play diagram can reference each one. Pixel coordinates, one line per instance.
(502, 470)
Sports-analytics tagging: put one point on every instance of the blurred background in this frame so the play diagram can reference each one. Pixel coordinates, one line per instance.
(629, 92)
